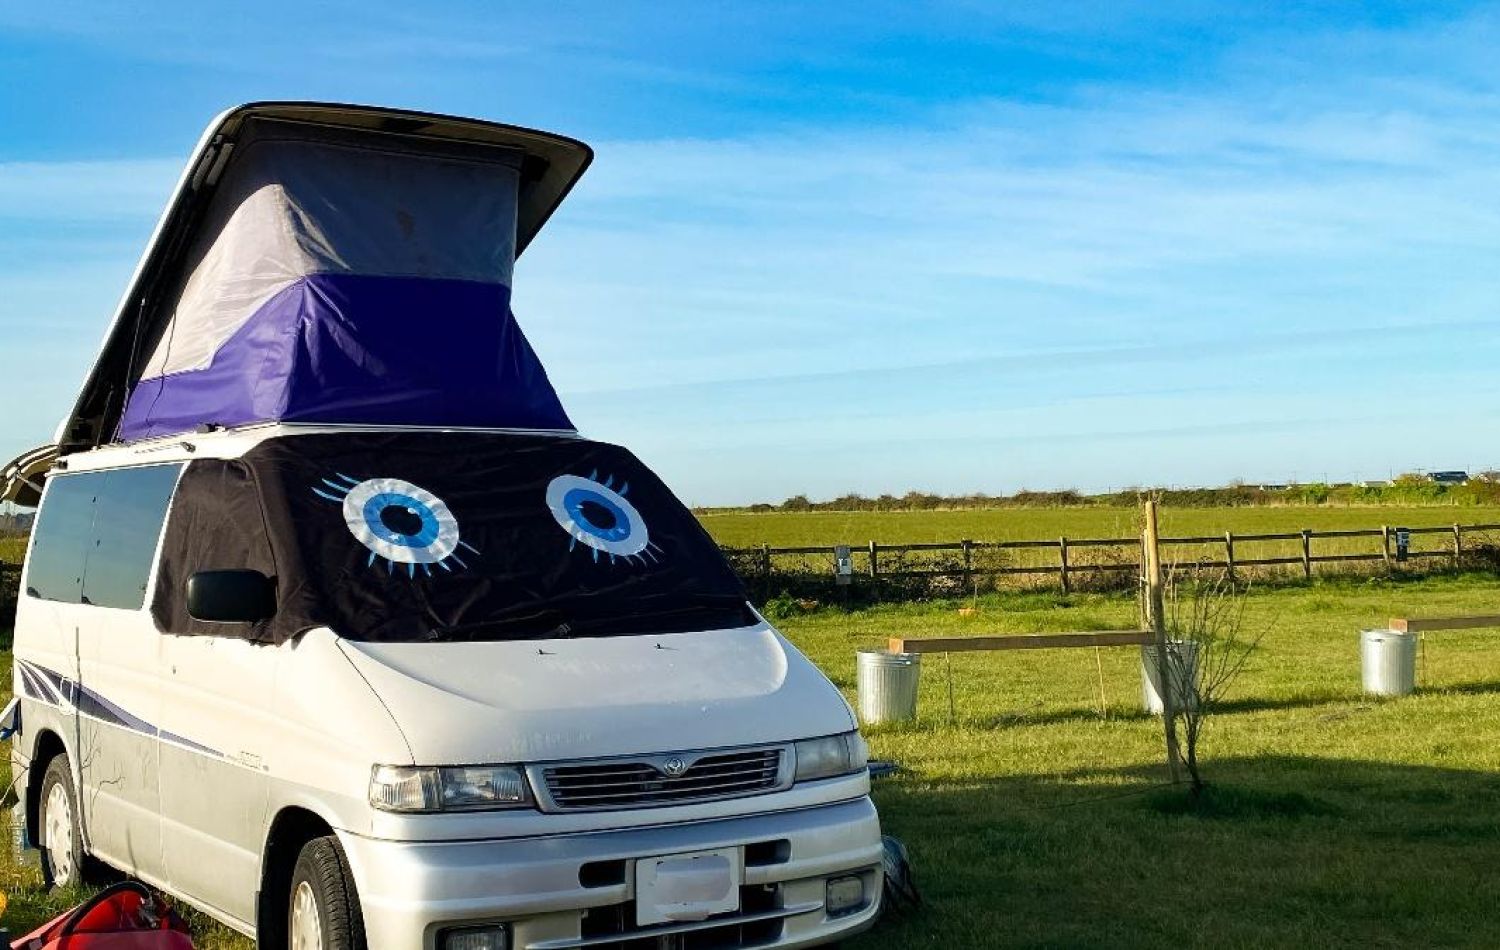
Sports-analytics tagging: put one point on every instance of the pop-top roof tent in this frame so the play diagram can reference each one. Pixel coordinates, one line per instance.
(334, 264)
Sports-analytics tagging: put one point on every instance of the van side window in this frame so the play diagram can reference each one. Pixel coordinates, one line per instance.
(96, 536)
(63, 536)
(128, 517)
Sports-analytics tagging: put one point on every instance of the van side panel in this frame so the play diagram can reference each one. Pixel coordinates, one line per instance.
(218, 726)
(118, 694)
(119, 706)
(46, 637)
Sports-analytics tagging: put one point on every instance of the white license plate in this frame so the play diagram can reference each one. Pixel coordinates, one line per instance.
(678, 888)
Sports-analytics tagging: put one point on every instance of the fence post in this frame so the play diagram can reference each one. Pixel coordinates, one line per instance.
(1154, 607)
(1307, 553)
(1385, 545)
(874, 571)
(765, 571)
(1229, 553)
(968, 547)
(1062, 553)
(1458, 547)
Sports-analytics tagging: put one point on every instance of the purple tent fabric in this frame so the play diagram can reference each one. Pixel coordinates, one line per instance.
(343, 348)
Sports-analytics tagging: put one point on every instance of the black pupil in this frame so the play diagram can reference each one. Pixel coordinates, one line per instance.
(597, 515)
(401, 520)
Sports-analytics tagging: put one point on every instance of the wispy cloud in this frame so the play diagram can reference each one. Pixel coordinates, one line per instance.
(95, 192)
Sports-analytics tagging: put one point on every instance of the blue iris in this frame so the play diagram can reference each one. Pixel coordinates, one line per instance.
(401, 519)
(596, 514)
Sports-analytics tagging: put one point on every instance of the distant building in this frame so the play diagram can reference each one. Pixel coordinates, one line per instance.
(1272, 487)
(1449, 478)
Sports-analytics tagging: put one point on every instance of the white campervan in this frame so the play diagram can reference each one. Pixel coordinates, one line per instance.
(333, 627)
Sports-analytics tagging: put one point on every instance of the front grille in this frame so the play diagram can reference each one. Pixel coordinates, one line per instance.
(646, 780)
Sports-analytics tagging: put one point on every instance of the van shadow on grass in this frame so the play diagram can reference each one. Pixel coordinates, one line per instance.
(1282, 852)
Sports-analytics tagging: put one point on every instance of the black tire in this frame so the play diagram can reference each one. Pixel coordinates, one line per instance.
(65, 869)
(322, 868)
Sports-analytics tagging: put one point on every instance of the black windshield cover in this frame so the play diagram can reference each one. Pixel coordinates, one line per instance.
(450, 536)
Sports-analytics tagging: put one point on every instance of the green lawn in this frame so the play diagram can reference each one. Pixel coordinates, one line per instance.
(12, 550)
(777, 528)
(1035, 818)
(1337, 822)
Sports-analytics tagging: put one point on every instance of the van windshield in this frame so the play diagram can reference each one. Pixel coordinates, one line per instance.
(451, 536)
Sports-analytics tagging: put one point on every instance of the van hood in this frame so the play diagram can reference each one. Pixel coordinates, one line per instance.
(546, 700)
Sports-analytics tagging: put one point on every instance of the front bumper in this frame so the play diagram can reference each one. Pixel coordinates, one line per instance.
(577, 890)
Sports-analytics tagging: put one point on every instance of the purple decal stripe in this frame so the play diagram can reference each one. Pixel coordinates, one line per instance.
(186, 743)
(91, 704)
(31, 685)
(46, 683)
(348, 348)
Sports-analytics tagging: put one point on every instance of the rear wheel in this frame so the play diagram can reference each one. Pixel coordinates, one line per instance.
(322, 907)
(61, 838)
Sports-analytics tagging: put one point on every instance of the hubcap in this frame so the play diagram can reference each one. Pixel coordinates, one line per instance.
(307, 930)
(58, 827)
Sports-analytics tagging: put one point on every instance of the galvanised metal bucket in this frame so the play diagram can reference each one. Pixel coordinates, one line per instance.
(1182, 674)
(887, 685)
(1388, 660)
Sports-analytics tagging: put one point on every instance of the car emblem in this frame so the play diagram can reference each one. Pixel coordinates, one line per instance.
(674, 767)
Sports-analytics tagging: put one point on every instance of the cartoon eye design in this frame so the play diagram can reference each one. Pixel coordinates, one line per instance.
(397, 521)
(598, 515)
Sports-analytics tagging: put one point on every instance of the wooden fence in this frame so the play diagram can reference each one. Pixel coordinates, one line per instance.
(1073, 564)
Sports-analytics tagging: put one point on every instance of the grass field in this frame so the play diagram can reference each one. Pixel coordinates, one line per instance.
(1036, 818)
(12, 550)
(790, 529)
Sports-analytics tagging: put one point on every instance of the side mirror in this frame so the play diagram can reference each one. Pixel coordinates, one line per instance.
(230, 596)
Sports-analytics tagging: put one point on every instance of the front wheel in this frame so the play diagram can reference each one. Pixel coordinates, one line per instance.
(323, 907)
(61, 839)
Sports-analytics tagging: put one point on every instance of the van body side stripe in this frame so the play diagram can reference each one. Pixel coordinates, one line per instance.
(58, 690)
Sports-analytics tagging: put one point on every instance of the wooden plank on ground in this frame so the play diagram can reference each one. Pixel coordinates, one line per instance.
(1030, 641)
(1421, 625)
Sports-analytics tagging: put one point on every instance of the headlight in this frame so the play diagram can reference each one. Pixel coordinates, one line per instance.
(831, 756)
(413, 788)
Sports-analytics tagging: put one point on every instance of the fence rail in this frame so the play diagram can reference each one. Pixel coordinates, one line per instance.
(880, 569)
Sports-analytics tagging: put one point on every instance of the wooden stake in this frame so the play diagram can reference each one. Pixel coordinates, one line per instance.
(1062, 553)
(1155, 605)
(949, 658)
(1103, 700)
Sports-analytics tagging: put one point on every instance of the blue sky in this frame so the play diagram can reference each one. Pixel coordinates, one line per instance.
(872, 247)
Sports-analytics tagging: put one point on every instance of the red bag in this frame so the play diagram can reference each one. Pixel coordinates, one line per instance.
(124, 916)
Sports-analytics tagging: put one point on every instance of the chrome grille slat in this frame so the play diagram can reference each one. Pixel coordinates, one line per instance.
(668, 783)
(642, 781)
(659, 778)
(665, 794)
